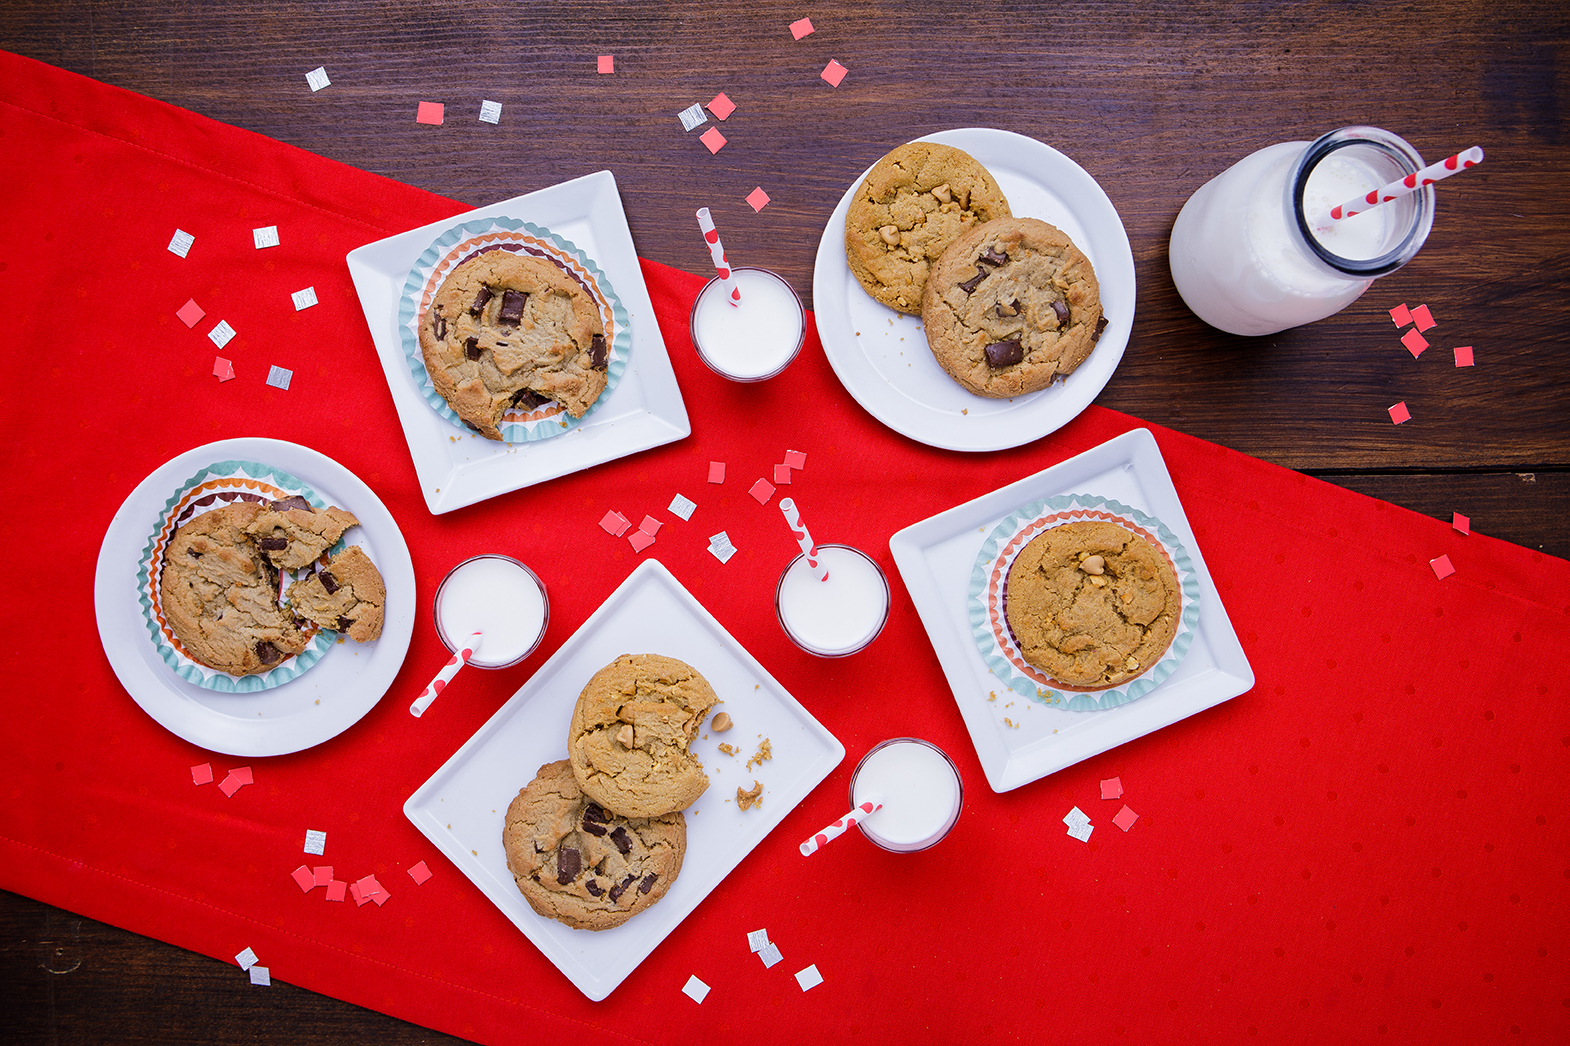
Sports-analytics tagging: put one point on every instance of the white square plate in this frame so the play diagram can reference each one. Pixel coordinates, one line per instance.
(935, 558)
(463, 807)
(645, 409)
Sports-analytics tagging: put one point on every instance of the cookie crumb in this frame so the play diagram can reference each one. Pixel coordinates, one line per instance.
(727, 749)
(746, 800)
(764, 754)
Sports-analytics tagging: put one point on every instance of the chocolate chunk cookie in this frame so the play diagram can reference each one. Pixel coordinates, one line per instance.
(1091, 604)
(347, 595)
(913, 203)
(1012, 305)
(219, 594)
(512, 330)
(630, 731)
(582, 865)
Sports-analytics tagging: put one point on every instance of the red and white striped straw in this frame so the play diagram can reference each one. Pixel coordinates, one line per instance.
(821, 838)
(804, 539)
(1434, 172)
(464, 655)
(711, 236)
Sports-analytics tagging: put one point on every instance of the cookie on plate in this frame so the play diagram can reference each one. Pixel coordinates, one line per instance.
(580, 864)
(510, 330)
(630, 731)
(1092, 604)
(1011, 306)
(219, 594)
(292, 533)
(347, 595)
(913, 203)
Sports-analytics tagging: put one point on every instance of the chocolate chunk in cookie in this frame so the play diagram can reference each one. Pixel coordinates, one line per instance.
(1092, 604)
(1012, 306)
(590, 880)
(913, 203)
(503, 324)
(630, 731)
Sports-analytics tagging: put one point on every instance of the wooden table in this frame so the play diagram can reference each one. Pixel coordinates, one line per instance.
(1151, 98)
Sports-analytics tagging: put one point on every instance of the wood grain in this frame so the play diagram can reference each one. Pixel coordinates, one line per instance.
(1152, 98)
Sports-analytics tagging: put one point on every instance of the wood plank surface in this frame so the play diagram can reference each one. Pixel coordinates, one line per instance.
(1151, 98)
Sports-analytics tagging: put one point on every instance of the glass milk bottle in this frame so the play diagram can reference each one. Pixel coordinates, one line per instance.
(1254, 250)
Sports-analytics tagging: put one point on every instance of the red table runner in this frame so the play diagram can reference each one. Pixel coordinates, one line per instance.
(1369, 846)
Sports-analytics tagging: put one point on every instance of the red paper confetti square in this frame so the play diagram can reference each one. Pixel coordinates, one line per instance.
(801, 27)
(781, 474)
(223, 370)
(757, 199)
(716, 472)
(336, 889)
(323, 874)
(419, 873)
(1125, 818)
(615, 524)
(235, 780)
(1423, 318)
(761, 491)
(713, 139)
(650, 526)
(202, 775)
(360, 899)
(1415, 343)
(640, 540)
(1463, 355)
(834, 73)
(302, 875)
(796, 459)
(1463, 524)
(190, 313)
(1399, 413)
(1401, 315)
(1443, 568)
(429, 112)
(721, 106)
(606, 64)
(243, 775)
(1112, 788)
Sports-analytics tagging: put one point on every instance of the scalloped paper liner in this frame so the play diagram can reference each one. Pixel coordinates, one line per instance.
(990, 630)
(219, 484)
(464, 241)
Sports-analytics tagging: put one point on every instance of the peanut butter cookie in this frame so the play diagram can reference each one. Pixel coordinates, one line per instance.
(913, 203)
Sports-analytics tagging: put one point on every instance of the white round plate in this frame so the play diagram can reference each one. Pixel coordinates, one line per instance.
(881, 356)
(320, 704)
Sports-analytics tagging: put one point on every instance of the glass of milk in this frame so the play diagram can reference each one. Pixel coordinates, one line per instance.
(837, 616)
(920, 790)
(755, 339)
(499, 597)
(1254, 250)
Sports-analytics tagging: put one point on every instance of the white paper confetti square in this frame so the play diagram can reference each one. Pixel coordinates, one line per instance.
(695, 989)
(317, 78)
(261, 975)
(279, 377)
(181, 243)
(692, 116)
(303, 299)
(1081, 832)
(315, 842)
(221, 334)
(1076, 818)
(757, 940)
(682, 506)
(809, 978)
(770, 954)
(490, 112)
(266, 236)
(721, 548)
(246, 959)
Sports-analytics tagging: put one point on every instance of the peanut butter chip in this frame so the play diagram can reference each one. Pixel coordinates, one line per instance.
(721, 723)
(1094, 565)
(1098, 581)
(943, 193)
(624, 735)
(890, 234)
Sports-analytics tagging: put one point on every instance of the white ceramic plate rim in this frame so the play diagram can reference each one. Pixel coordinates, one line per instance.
(649, 612)
(881, 356)
(317, 705)
(644, 410)
(935, 558)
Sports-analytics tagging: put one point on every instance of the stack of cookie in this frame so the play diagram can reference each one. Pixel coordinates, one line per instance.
(599, 836)
(1009, 304)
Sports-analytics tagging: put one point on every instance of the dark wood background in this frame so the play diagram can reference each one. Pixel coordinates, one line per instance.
(1153, 98)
